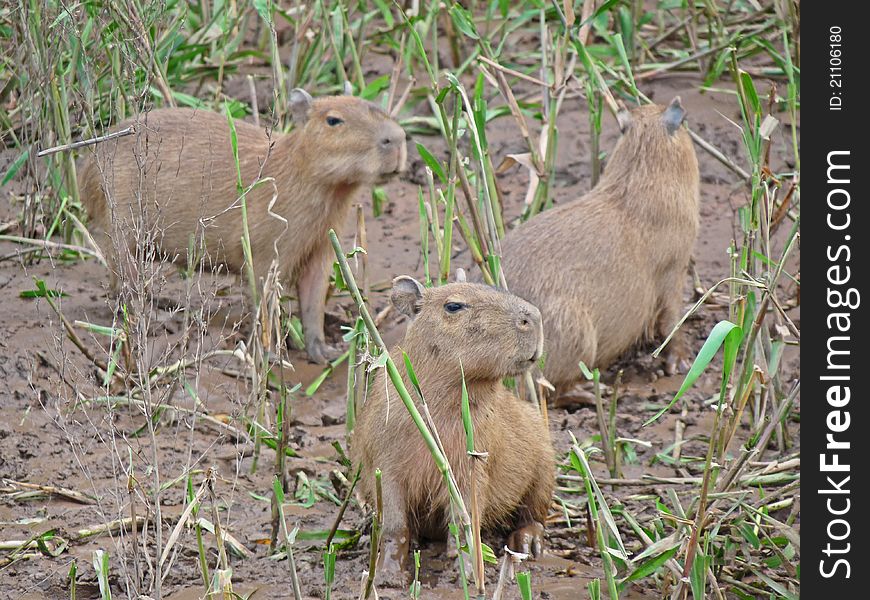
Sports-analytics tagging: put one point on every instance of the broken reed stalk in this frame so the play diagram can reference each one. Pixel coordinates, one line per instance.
(131, 497)
(342, 508)
(356, 374)
(288, 541)
(282, 426)
(611, 427)
(81, 144)
(50, 490)
(192, 505)
(74, 338)
(475, 527)
(223, 576)
(375, 539)
(362, 242)
(606, 445)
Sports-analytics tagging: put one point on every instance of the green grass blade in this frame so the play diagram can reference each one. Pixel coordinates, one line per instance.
(717, 337)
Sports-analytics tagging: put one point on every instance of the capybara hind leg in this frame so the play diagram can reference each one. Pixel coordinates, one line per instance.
(528, 535)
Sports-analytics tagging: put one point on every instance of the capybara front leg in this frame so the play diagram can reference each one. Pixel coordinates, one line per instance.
(393, 562)
(311, 289)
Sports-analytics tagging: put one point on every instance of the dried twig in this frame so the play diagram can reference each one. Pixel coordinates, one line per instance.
(90, 142)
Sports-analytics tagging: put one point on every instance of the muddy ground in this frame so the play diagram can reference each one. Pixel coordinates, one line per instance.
(48, 438)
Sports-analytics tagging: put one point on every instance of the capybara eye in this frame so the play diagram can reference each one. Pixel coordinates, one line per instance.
(453, 307)
(333, 121)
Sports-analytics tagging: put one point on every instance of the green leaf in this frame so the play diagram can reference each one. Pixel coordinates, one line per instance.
(524, 582)
(324, 375)
(601, 10)
(698, 576)
(652, 565)
(412, 376)
(15, 167)
(101, 566)
(42, 293)
(748, 533)
(374, 88)
(379, 198)
(751, 94)
(380, 361)
(724, 330)
(421, 49)
(586, 372)
(329, 569)
(464, 22)
(775, 586)
(278, 490)
(338, 281)
(264, 9)
(433, 163)
(594, 589)
(466, 415)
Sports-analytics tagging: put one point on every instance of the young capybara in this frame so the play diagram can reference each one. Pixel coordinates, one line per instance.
(176, 180)
(608, 270)
(492, 335)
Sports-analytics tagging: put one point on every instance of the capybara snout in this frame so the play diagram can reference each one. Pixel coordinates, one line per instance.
(352, 139)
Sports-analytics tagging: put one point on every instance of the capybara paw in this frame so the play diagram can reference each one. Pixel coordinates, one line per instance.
(528, 539)
(392, 568)
(392, 577)
(676, 363)
(321, 353)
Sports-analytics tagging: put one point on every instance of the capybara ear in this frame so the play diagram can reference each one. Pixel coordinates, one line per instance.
(460, 275)
(674, 115)
(300, 105)
(406, 295)
(623, 116)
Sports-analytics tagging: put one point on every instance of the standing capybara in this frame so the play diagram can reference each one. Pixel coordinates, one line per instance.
(608, 270)
(492, 335)
(173, 186)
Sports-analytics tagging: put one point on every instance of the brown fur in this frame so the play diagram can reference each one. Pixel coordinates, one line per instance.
(176, 178)
(608, 270)
(496, 335)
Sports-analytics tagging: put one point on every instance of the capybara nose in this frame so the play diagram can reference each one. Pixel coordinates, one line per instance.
(391, 136)
(528, 319)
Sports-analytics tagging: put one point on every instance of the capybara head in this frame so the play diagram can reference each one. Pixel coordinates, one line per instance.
(347, 139)
(492, 333)
(652, 137)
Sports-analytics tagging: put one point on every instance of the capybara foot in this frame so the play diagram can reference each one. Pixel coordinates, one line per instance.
(676, 363)
(392, 568)
(321, 353)
(528, 539)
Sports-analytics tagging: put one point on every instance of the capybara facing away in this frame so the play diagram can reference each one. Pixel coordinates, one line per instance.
(174, 183)
(492, 335)
(608, 270)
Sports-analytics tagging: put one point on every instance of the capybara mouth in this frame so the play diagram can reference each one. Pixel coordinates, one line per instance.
(387, 177)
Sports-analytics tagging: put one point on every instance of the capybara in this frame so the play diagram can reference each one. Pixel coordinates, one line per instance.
(176, 180)
(491, 335)
(608, 270)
